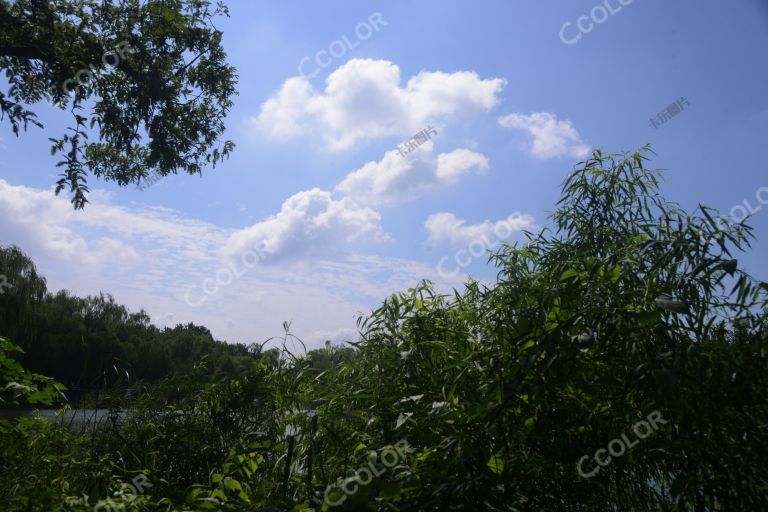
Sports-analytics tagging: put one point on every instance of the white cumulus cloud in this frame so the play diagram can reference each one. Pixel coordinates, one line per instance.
(450, 166)
(445, 227)
(310, 224)
(283, 115)
(552, 137)
(395, 178)
(363, 100)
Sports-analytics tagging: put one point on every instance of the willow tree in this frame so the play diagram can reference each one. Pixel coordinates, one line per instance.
(22, 291)
(147, 85)
(526, 395)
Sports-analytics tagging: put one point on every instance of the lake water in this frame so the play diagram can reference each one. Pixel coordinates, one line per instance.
(74, 419)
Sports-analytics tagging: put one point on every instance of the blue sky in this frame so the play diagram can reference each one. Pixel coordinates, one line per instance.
(339, 218)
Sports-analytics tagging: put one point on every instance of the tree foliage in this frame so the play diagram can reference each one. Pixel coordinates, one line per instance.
(18, 386)
(94, 343)
(146, 83)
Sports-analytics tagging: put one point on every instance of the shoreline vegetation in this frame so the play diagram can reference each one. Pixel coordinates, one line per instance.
(627, 316)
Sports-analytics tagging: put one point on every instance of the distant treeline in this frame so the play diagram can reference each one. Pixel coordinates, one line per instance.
(96, 343)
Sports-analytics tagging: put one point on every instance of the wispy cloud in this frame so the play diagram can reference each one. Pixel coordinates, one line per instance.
(447, 228)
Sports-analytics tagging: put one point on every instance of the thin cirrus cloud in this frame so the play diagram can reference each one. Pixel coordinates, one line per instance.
(363, 100)
(310, 224)
(395, 178)
(447, 228)
(551, 137)
(103, 234)
(150, 256)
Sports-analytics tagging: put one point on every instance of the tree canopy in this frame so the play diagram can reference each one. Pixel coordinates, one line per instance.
(147, 85)
(95, 343)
